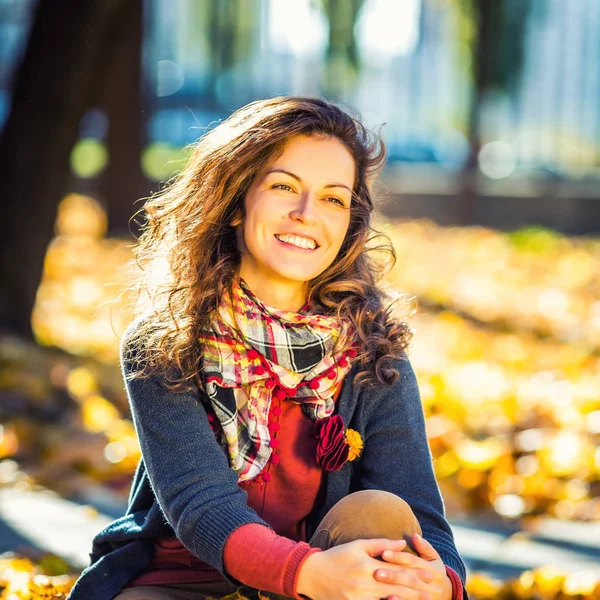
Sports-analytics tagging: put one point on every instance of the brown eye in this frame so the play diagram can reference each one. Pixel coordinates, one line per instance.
(281, 186)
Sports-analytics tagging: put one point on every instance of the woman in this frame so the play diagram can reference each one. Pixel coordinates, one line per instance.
(282, 434)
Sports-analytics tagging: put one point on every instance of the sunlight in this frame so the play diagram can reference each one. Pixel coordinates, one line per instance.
(388, 28)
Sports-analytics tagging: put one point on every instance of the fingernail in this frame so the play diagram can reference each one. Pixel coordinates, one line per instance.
(388, 554)
(382, 574)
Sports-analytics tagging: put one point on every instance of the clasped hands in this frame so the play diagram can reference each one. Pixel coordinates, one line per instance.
(353, 571)
(424, 577)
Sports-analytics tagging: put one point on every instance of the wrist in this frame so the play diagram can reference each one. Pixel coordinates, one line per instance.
(307, 575)
(456, 586)
(448, 593)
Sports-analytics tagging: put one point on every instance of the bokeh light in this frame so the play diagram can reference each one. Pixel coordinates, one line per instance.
(89, 157)
(161, 160)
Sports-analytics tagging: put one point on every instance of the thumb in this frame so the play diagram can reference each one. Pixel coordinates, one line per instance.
(377, 546)
(424, 548)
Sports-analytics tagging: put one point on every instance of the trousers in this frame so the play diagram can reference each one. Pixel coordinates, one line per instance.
(367, 514)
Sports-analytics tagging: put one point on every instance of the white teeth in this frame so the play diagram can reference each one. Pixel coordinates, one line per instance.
(295, 240)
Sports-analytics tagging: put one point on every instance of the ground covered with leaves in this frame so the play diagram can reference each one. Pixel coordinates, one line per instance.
(506, 349)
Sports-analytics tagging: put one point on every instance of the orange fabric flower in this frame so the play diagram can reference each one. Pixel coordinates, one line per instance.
(355, 442)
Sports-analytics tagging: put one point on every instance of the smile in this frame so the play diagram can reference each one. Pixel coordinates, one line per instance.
(297, 241)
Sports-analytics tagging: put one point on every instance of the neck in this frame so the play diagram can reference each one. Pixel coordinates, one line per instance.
(289, 297)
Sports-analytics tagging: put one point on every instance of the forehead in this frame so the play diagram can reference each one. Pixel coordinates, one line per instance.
(319, 160)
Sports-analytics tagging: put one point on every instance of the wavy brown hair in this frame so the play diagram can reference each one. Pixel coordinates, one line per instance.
(187, 256)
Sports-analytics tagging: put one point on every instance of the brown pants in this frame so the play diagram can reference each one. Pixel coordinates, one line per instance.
(363, 515)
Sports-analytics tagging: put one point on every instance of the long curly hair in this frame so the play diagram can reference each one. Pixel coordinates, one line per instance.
(187, 256)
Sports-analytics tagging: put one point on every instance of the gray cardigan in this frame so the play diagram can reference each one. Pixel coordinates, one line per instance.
(184, 486)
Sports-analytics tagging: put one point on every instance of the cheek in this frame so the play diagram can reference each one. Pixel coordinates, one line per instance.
(260, 214)
(257, 226)
(338, 232)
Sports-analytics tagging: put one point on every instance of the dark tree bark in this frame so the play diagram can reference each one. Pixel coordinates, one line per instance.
(70, 46)
(229, 29)
(482, 61)
(123, 183)
(497, 58)
(342, 60)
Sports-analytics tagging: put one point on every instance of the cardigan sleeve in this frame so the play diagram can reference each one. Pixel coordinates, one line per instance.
(196, 489)
(397, 458)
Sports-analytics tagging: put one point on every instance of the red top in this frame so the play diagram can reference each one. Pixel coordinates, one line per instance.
(254, 554)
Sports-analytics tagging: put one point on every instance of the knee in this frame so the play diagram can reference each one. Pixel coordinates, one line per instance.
(378, 506)
(369, 514)
(376, 503)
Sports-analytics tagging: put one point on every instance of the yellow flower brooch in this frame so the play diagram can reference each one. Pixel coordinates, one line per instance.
(355, 442)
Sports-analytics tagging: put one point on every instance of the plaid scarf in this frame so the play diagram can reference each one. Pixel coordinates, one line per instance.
(253, 352)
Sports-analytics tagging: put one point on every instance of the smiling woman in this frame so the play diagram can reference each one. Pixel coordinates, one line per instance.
(282, 434)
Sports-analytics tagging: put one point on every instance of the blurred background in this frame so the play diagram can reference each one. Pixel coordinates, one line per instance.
(489, 109)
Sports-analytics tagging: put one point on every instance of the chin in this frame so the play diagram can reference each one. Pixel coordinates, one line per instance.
(302, 277)
(297, 273)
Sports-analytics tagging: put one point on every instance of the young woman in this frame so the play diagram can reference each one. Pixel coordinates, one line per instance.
(282, 434)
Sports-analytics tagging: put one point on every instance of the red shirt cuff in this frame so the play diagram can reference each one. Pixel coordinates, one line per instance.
(294, 593)
(259, 558)
(457, 586)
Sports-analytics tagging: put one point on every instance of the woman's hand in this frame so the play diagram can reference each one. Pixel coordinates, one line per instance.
(347, 572)
(427, 567)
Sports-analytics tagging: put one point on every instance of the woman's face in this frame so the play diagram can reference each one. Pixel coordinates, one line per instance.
(297, 215)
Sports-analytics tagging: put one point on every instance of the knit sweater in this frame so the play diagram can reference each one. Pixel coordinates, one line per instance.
(284, 502)
(183, 484)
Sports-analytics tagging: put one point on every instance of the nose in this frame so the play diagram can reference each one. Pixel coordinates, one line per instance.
(304, 211)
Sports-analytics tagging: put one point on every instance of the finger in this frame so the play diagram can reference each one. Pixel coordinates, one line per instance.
(405, 559)
(410, 546)
(382, 574)
(415, 580)
(403, 592)
(376, 547)
(425, 549)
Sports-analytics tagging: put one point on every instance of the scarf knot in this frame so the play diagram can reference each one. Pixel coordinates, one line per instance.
(252, 353)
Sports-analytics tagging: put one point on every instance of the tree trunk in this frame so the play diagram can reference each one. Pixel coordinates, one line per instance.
(497, 59)
(482, 54)
(123, 183)
(342, 61)
(70, 46)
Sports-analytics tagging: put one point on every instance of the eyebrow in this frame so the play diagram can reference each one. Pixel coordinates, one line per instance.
(329, 185)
